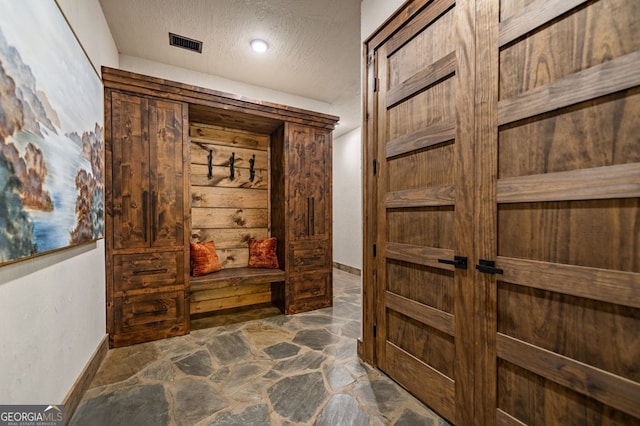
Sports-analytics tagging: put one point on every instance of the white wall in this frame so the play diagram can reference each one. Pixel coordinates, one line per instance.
(347, 160)
(209, 81)
(52, 308)
(52, 317)
(374, 13)
(91, 28)
(347, 199)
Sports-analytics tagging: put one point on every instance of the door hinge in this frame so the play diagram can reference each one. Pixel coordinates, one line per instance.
(375, 84)
(375, 167)
(375, 250)
(375, 331)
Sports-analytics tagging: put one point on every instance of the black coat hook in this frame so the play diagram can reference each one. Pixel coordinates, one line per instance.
(210, 163)
(232, 160)
(252, 170)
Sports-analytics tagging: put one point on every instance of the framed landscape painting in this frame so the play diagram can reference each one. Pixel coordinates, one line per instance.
(51, 134)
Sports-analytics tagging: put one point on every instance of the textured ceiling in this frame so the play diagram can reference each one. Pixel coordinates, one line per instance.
(314, 44)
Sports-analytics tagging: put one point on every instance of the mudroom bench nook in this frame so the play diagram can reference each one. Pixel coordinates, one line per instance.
(185, 164)
(234, 288)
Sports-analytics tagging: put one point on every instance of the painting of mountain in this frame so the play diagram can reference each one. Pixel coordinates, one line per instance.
(51, 135)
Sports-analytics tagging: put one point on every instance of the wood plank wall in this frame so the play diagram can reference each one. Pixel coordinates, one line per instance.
(229, 211)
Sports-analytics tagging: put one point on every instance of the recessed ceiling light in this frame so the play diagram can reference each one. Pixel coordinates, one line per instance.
(259, 45)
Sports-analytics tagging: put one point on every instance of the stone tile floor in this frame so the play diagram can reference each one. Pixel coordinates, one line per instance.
(278, 370)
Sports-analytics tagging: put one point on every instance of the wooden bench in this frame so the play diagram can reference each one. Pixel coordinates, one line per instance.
(233, 288)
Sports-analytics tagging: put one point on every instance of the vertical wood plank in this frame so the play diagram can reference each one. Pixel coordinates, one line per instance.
(130, 171)
(485, 207)
(108, 201)
(186, 212)
(464, 158)
(366, 350)
(278, 195)
(166, 165)
(299, 205)
(382, 185)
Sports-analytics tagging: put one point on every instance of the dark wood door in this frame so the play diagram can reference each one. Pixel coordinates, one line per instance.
(147, 289)
(309, 182)
(130, 171)
(319, 164)
(166, 173)
(299, 180)
(147, 180)
(309, 251)
(560, 342)
(507, 131)
(424, 184)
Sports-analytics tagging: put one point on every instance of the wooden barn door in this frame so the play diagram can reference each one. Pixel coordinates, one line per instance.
(424, 179)
(559, 176)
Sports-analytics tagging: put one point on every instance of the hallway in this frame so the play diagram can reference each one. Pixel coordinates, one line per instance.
(279, 370)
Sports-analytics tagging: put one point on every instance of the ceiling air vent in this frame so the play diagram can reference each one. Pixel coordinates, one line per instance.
(185, 43)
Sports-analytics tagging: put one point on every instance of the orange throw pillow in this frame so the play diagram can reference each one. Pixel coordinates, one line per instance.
(204, 258)
(262, 253)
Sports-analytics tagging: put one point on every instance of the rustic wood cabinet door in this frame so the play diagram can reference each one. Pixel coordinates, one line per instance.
(298, 175)
(146, 257)
(309, 251)
(560, 341)
(147, 182)
(130, 171)
(423, 181)
(309, 175)
(166, 174)
(319, 164)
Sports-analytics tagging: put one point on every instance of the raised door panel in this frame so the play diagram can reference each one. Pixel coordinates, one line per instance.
(149, 272)
(307, 256)
(308, 291)
(130, 171)
(424, 219)
(166, 174)
(309, 174)
(318, 155)
(565, 302)
(299, 180)
(149, 317)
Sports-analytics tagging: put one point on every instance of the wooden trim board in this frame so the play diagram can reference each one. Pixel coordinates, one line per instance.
(347, 268)
(133, 82)
(79, 387)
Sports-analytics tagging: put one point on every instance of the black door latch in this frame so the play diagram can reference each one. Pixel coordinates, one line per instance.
(459, 262)
(488, 267)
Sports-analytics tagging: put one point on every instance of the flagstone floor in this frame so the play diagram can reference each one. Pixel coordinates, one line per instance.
(275, 370)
